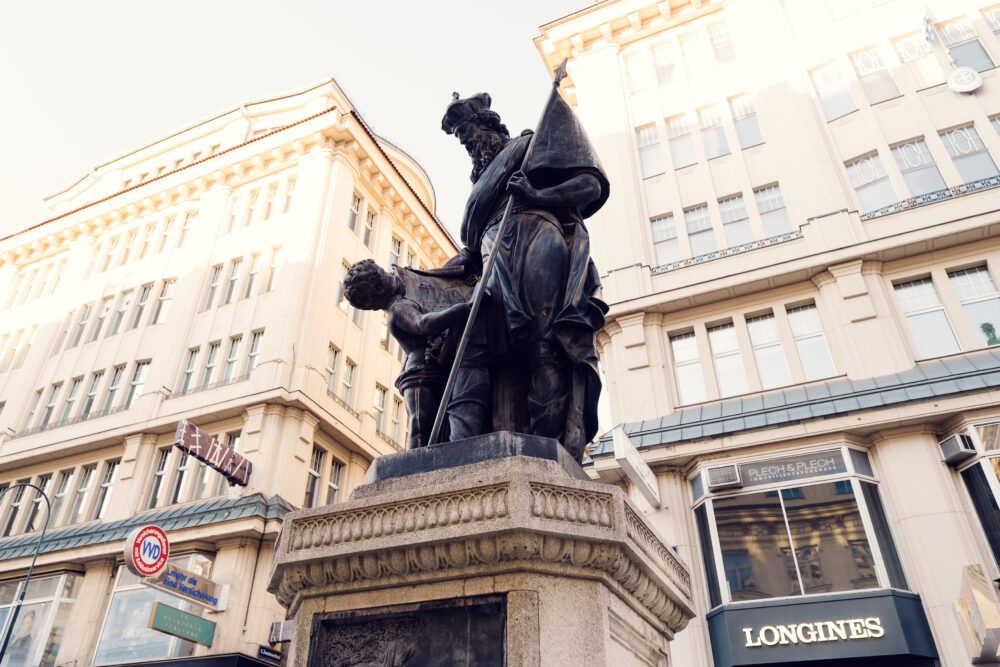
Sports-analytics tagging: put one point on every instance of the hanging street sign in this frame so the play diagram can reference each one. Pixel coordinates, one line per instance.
(637, 470)
(146, 551)
(207, 449)
(190, 586)
(181, 624)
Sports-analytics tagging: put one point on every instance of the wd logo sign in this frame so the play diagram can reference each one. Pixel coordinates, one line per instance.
(146, 551)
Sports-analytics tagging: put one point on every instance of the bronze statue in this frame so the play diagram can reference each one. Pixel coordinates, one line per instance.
(526, 359)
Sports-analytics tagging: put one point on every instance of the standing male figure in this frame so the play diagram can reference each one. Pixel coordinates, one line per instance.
(543, 284)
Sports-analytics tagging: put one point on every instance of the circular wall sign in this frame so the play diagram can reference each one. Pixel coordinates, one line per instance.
(146, 551)
(964, 80)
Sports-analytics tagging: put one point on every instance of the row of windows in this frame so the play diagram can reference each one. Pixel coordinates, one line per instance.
(179, 477)
(324, 471)
(127, 246)
(700, 49)
(230, 291)
(142, 177)
(35, 281)
(78, 406)
(340, 386)
(232, 368)
(700, 231)
(916, 164)
(14, 347)
(739, 114)
(244, 214)
(929, 321)
(776, 338)
(76, 494)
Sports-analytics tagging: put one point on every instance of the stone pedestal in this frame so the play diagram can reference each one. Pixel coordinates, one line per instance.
(510, 558)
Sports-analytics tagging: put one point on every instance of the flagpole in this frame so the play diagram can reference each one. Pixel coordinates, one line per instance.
(477, 295)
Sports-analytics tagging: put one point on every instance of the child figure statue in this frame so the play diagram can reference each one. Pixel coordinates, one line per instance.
(421, 332)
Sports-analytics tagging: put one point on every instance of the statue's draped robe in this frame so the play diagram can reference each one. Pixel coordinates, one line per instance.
(569, 325)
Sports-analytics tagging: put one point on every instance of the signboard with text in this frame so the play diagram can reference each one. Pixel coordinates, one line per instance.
(190, 586)
(791, 468)
(181, 624)
(207, 449)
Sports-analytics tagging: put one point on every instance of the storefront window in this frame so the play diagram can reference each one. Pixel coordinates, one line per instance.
(125, 636)
(807, 537)
(41, 622)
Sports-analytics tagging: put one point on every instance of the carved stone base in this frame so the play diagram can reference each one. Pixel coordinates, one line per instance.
(571, 570)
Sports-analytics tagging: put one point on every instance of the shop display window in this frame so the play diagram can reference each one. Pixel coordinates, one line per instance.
(801, 525)
(981, 477)
(41, 622)
(125, 636)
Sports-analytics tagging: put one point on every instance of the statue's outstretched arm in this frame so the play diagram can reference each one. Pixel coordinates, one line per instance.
(409, 318)
(575, 192)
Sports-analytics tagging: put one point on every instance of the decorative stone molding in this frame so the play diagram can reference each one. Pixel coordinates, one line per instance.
(518, 514)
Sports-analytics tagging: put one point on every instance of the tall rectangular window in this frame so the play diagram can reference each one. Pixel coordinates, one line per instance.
(74, 390)
(272, 193)
(694, 50)
(129, 244)
(231, 358)
(50, 404)
(123, 304)
(254, 352)
(56, 345)
(992, 17)
(768, 352)
(272, 270)
(871, 183)
(773, 214)
(666, 67)
(103, 498)
(59, 496)
(36, 518)
(368, 236)
(347, 381)
(334, 481)
(14, 509)
(137, 384)
(234, 276)
(713, 134)
(378, 408)
(917, 165)
(834, 97)
(341, 299)
(109, 253)
(722, 42)
(35, 400)
(183, 465)
(745, 120)
(665, 243)
(650, 160)
(113, 385)
(699, 229)
(289, 192)
(926, 317)
(810, 342)
(332, 356)
(147, 238)
(214, 276)
(687, 368)
(980, 299)
(395, 250)
(354, 212)
(140, 305)
(252, 275)
(168, 224)
(248, 213)
(875, 78)
(163, 302)
(735, 221)
(963, 45)
(102, 316)
(159, 477)
(211, 359)
(915, 53)
(189, 370)
(83, 487)
(394, 419)
(681, 145)
(233, 212)
(91, 398)
(969, 154)
(311, 498)
(233, 443)
(186, 228)
(728, 362)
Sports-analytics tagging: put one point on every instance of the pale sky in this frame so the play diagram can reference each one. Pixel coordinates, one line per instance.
(83, 81)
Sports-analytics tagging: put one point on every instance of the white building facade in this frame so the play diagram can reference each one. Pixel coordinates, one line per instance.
(801, 258)
(197, 277)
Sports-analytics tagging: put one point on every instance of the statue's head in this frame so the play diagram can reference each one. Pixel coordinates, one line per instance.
(477, 127)
(368, 287)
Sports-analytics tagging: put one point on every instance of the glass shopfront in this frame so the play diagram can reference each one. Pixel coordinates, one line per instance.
(125, 636)
(41, 622)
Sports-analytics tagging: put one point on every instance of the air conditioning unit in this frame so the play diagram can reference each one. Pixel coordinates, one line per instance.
(724, 477)
(957, 448)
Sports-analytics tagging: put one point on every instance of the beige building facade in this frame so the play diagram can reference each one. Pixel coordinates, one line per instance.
(801, 257)
(196, 277)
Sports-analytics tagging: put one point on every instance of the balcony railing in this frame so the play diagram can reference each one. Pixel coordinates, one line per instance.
(343, 403)
(727, 252)
(933, 197)
(389, 439)
(67, 422)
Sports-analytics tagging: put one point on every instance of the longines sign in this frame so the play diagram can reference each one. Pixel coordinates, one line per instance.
(213, 453)
(816, 631)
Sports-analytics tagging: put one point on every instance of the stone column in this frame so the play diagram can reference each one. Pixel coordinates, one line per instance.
(84, 624)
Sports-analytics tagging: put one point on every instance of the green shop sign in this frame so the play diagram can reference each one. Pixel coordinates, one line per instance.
(181, 624)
